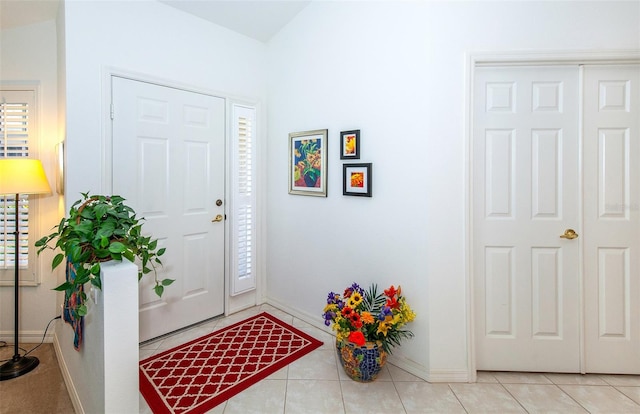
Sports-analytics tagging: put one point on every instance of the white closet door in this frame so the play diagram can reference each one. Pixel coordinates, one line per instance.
(525, 195)
(612, 218)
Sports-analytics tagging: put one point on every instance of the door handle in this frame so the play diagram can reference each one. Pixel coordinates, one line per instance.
(217, 218)
(569, 234)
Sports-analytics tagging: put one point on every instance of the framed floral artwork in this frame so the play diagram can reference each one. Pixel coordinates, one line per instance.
(308, 163)
(356, 179)
(350, 145)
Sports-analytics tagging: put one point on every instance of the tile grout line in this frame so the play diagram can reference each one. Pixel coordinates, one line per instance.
(458, 398)
(338, 367)
(395, 387)
(569, 395)
(625, 395)
(513, 396)
(284, 399)
(606, 384)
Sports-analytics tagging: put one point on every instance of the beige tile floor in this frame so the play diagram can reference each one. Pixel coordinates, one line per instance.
(316, 384)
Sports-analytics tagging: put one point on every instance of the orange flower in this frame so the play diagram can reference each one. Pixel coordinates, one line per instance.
(367, 317)
(357, 179)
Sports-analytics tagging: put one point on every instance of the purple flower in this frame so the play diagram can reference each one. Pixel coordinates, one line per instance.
(333, 298)
(386, 311)
(356, 288)
(328, 317)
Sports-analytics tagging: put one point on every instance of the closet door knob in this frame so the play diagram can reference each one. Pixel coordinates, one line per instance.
(569, 234)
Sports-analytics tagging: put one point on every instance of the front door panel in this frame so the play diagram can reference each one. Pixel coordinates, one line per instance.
(168, 162)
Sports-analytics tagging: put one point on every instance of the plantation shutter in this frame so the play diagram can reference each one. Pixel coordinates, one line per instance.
(16, 135)
(243, 201)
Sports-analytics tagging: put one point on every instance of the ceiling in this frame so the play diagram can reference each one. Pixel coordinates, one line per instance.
(15, 13)
(258, 19)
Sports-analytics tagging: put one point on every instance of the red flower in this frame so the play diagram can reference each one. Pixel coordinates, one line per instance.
(355, 320)
(357, 338)
(346, 312)
(392, 303)
(391, 292)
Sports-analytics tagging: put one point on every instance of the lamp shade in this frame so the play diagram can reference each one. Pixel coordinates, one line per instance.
(22, 176)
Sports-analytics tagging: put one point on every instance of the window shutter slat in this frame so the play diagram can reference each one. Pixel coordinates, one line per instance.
(15, 133)
(242, 222)
(14, 127)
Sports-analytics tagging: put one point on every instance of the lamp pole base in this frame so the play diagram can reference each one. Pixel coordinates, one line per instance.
(17, 366)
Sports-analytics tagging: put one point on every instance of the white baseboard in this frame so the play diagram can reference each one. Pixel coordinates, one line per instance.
(402, 363)
(314, 320)
(26, 337)
(448, 375)
(73, 393)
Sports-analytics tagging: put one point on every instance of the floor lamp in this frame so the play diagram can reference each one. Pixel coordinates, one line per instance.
(20, 176)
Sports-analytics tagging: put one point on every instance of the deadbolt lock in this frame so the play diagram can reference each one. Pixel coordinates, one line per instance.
(218, 202)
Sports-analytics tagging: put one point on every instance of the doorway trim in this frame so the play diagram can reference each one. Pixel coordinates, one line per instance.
(483, 59)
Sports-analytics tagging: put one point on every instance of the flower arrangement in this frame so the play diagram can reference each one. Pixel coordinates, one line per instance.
(360, 316)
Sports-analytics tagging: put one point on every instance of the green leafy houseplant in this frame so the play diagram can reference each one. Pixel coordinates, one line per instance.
(98, 229)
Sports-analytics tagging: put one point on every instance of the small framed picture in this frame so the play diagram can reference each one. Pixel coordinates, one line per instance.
(356, 179)
(308, 163)
(350, 145)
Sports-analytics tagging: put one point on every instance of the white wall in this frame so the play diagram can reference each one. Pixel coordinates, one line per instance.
(154, 41)
(396, 71)
(28, 55)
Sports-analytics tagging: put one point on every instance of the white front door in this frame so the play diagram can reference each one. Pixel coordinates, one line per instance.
(612, 218)
(169, 163)
(525, 195)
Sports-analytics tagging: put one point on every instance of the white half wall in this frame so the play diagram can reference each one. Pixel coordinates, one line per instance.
(396, 72)
(102, 377)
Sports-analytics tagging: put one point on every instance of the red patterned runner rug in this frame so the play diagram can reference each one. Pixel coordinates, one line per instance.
(195, 377)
